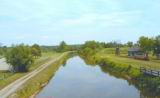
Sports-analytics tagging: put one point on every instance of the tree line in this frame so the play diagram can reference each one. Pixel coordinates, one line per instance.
(21, 56)
(147, 45)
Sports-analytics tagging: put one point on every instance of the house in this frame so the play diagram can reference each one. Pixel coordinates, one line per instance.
(137, 53)
(133, 51)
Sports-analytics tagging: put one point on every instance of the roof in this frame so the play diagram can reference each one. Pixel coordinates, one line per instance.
(134, 49)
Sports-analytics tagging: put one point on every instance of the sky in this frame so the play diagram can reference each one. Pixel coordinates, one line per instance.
(47, 22)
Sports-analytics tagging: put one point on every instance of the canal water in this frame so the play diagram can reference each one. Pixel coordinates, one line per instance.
(76, 79)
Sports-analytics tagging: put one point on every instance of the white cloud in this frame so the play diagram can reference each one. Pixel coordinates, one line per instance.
(20, 37)
(110, 19)
(79, 21)
(34, 20)
(45, 37)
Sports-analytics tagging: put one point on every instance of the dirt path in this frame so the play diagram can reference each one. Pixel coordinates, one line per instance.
(13, 87)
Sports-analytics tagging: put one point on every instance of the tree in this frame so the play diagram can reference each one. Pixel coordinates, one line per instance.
(113, 44)
(36, 50)
(63, 47)
(156, 49)
(129, 44)
(87, 52)
(19, 57)
(92, 44)
(146, 43)
(3, 50)
(90, 48)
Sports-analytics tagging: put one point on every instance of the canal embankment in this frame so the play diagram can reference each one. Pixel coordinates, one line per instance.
(31, 82)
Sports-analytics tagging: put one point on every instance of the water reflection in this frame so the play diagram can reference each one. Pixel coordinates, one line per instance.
(84, 79)
(77, 80)
(146, 92)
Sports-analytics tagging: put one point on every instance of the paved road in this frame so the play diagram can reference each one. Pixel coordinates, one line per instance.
(13, 87)
(3, 65)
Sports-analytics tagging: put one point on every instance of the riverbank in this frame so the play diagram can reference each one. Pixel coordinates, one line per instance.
(124, 66)
(35, 84)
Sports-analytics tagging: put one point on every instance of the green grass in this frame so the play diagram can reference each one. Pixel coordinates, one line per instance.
(44, 58)
(112, 51)
(124, 60)
(8, 77)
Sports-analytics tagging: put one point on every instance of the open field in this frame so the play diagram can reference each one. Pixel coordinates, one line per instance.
(124, 60)
(7, 77)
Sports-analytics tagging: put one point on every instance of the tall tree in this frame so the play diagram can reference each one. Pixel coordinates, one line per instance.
(36, 50)
(146, 43)
(92, 44)
(129, 44)
(90, 48)
(156, 50)
(19, 57)
(63, 47)
(3, 50)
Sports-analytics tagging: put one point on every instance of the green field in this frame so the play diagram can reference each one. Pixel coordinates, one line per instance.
(109, 54)
(8, 77)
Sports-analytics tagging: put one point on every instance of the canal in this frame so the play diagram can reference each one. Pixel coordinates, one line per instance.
(76, 79)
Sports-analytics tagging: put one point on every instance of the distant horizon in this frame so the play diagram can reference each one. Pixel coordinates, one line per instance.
(49, 22)
(119, 41)
(134, 42)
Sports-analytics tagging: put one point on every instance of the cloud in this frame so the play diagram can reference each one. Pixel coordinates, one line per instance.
(110, 19)
(45, 37)
(20, 37)
(75, 20)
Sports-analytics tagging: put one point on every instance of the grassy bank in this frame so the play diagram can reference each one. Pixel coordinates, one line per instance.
(35, 84)
(8, 77)
(128, 67)
(123, 59)
(123, 63)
